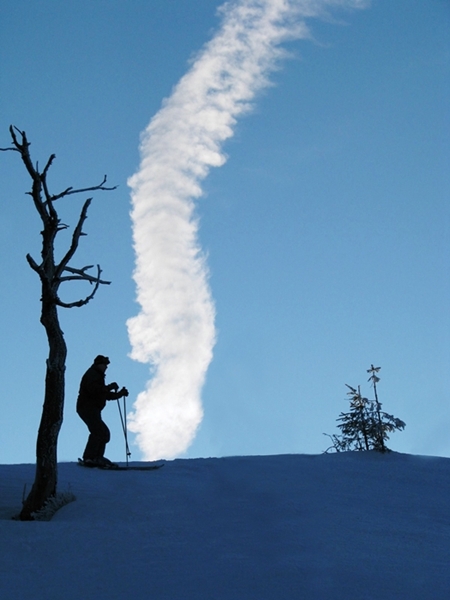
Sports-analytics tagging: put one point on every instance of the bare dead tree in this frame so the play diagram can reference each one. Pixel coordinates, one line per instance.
(52, 274)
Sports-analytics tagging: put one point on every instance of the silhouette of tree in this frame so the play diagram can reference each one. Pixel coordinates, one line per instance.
(52, 273)
(366, 426)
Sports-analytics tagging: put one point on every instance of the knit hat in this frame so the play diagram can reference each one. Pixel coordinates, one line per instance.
(101, 360)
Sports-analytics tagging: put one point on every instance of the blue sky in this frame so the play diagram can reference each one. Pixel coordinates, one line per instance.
(326, 231)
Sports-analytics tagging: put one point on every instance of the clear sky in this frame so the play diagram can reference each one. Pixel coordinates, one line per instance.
(326, 231)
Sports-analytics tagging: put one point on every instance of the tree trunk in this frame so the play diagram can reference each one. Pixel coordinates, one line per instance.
(46, 477)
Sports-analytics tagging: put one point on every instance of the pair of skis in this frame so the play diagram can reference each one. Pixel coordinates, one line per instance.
(115, 467)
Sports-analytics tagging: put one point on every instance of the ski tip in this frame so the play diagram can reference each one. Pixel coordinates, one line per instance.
(136, 466)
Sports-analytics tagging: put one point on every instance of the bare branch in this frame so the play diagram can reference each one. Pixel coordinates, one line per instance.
(83, 302)
(81, 275)
(16, 147)
(70, 190)
(23, 148)
(12, 131)
(66, 192)
(33, 264)
(48, 165)
(78, 231)
(40, 179)
(43, 178)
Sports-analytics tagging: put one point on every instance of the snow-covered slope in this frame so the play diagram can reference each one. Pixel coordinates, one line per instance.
(357, 526)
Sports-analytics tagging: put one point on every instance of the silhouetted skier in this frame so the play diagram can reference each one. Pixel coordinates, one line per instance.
(91, 401)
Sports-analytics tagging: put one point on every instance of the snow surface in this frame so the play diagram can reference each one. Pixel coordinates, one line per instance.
(357, 525)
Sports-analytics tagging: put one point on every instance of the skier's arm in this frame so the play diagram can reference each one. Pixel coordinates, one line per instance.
(116, 395)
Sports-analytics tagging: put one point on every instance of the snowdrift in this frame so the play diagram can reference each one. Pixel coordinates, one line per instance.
(327, 527)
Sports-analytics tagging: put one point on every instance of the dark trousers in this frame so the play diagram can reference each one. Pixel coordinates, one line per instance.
(99, 434)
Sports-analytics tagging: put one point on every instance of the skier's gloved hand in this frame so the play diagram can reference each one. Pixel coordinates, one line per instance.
(123, 392)
(113, 387)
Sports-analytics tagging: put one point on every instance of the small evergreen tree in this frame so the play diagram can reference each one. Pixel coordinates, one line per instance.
(365, 426)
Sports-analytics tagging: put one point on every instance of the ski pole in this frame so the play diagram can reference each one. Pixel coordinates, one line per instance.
(123, 420)
(124, 428)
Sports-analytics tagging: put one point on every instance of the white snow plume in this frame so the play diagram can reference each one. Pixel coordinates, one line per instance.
(174, 331)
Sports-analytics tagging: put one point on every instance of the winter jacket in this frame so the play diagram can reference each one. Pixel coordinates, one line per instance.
(94, 392)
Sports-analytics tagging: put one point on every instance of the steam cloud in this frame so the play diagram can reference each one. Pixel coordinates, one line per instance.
(174, 331)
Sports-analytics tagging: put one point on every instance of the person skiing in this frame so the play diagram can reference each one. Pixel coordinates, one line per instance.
(92, 398)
